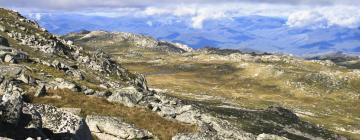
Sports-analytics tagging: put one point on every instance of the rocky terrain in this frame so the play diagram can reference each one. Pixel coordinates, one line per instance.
(321, 91)
(53, 88)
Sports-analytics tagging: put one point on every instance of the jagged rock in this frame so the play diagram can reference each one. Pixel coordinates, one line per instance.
(140, 82)
(270, 137)
(3, 40)
(41, 91)
(114, 128)
(128, 96)
(26, 79)
(61, 122)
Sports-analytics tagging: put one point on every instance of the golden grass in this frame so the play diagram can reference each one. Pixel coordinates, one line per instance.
(142, 118)
(256, 92)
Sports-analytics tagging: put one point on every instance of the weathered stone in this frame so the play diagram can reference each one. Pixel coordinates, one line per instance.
(115, 128)
(33, 115)
(140, 82)
(11, 107)
(2, 28)
(9, 59)
(62, 122)
(89, 92)
(26, 79)
(60, 83)
(41, 91)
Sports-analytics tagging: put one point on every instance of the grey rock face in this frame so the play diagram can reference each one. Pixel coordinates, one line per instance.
(106, 128)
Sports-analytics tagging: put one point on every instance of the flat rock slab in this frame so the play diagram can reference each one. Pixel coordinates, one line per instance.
(111, 128)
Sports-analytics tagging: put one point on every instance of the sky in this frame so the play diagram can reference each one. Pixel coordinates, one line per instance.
(299, 13)
(300, 26)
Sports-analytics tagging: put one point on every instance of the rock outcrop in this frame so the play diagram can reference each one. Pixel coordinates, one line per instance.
(22, 120)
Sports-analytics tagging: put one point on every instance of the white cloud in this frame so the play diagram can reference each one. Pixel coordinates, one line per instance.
(300, 13)
(198, 14)
(307, 19)
(324, 17)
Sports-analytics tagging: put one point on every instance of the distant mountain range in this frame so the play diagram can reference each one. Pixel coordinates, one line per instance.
(245, 33)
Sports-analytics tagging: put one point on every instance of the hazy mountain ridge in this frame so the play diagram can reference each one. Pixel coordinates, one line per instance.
(251, 32)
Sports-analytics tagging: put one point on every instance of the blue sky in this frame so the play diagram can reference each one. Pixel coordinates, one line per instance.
(299, 25)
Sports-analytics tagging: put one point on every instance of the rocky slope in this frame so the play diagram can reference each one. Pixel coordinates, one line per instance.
(83, 87)
(110, 38)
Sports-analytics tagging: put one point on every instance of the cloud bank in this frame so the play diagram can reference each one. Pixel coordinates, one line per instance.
(299, 13)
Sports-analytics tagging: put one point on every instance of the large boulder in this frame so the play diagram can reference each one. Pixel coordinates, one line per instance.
(128, 96)
(62, 124)
(113, 128)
